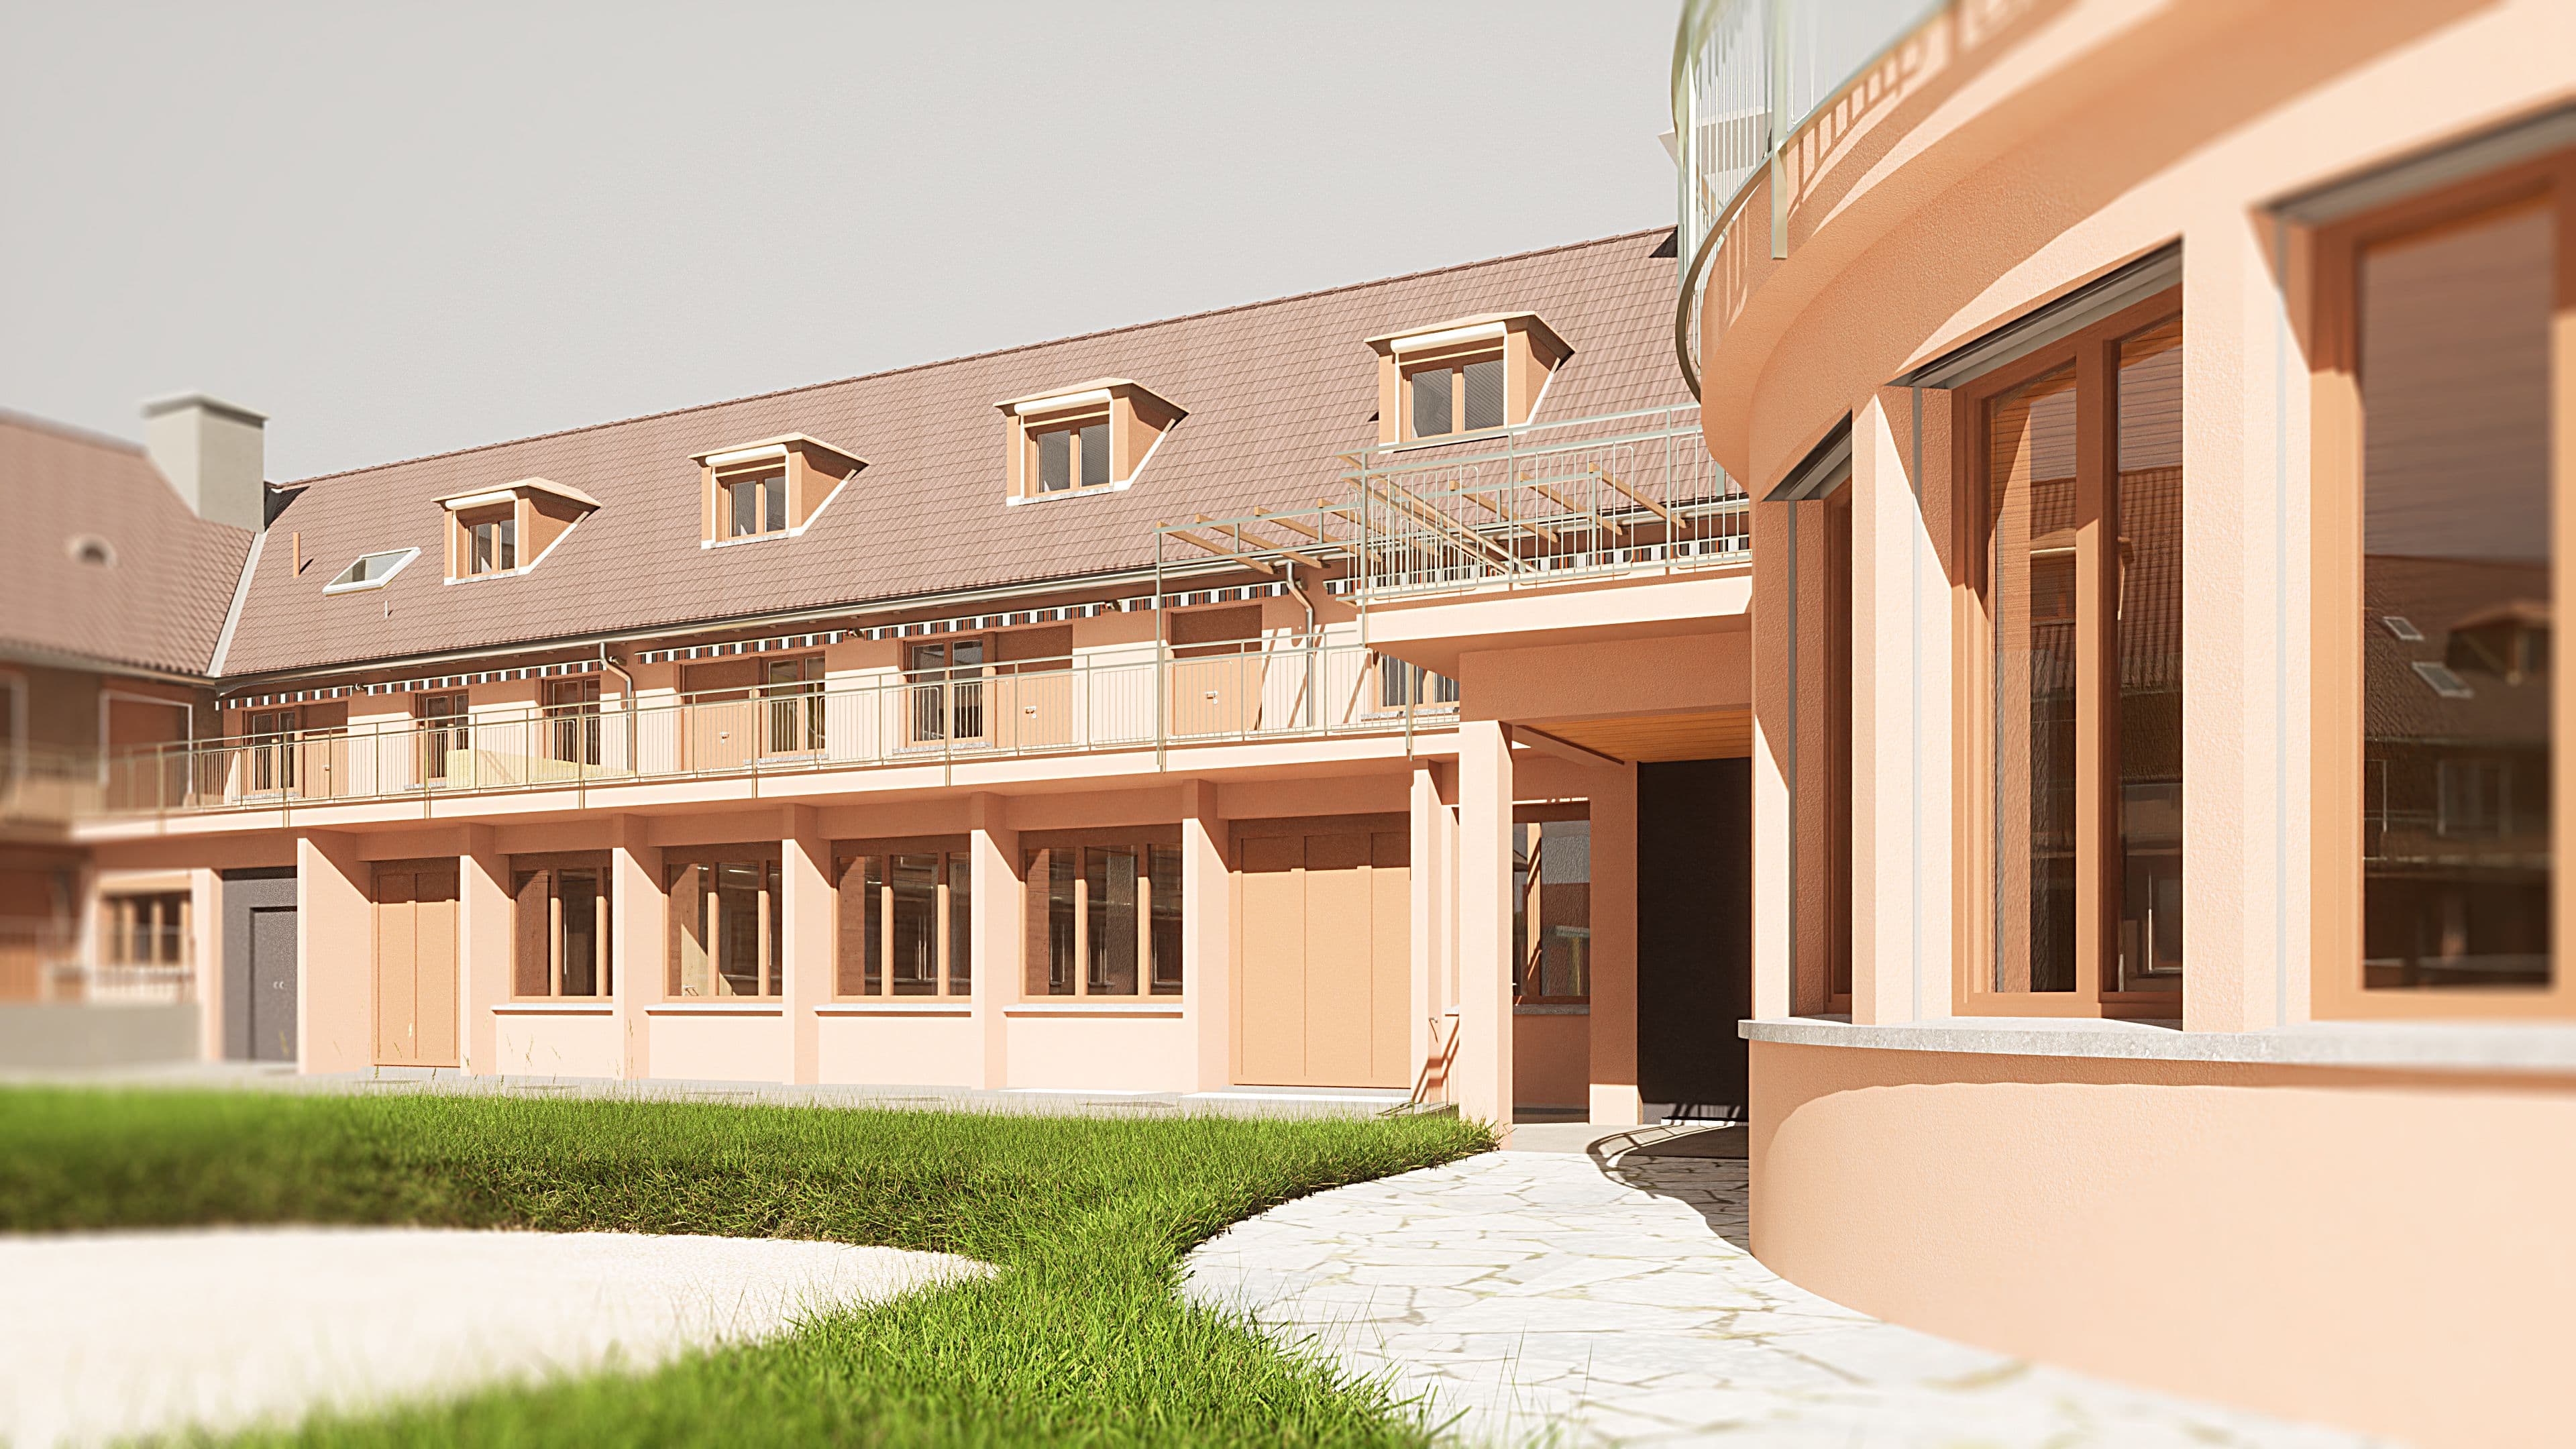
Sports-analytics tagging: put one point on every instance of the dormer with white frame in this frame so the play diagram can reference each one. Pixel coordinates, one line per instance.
(1466, 376)
(507, 531)
(770, 489)
(1092, 437)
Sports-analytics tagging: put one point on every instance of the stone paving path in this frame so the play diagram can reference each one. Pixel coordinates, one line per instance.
(1548, 1298)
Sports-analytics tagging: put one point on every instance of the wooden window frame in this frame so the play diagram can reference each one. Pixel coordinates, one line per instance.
(2094, 353)
(121, 916)
(850, 862)
(1455, 362)
(768, 480)
(771, 967)
(603, 918)
(1151, 890)
(2331, 256)
(503, 517)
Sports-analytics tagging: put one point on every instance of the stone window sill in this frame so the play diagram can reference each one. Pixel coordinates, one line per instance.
(2410, 1045)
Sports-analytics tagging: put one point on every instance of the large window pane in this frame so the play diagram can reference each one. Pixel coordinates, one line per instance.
(2456, 603)
(916, 925)
(585, 953)
(1485, 394)
(1055, 460)
(2030, 528)
(2149, 507)
(1112, 875)
(961, 924)
(1431, 402)
(1060, 863)
(1095, 455)
(1164, 866)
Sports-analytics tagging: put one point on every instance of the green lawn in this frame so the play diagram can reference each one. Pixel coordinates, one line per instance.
(1082, 1339)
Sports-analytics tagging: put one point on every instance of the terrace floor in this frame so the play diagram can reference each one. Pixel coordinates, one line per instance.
(1581, 1297)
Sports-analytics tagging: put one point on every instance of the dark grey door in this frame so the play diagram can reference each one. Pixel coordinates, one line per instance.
(1694, 930)
(272, 984)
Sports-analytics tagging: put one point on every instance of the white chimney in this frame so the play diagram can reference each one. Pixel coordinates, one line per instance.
(214, 454)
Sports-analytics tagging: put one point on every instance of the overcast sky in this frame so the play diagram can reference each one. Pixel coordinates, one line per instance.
(398, 231)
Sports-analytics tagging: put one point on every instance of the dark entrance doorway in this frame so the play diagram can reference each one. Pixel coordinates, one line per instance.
(1694, 930)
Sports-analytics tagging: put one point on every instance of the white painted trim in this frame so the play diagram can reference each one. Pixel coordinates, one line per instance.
(477, 500)
(797, 532)
(1099, 1006)
(1062, 402)
(1424, 341)
(241, 596)
(1115, 485)
(746, 455)
(408, 554)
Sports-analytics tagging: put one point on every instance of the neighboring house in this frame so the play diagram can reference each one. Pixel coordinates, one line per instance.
(2159, 422)
(1219, 703)
(115, 577)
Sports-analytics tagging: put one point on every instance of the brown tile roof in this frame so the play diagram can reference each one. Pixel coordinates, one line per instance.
(159, 603)
(1273, 390)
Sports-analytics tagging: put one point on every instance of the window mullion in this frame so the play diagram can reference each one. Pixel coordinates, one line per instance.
(2097, 676)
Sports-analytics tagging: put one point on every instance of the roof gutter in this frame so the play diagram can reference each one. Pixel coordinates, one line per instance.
(237, 683)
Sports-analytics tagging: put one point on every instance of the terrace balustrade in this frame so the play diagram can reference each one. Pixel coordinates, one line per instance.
(1135, 700)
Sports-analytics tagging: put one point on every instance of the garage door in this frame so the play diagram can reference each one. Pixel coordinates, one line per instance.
(415, 965)
(1322, 942)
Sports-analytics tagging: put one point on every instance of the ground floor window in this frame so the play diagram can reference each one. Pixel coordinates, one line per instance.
(1552, 912)
(2443, 483)
(904, 922)
(1104, 918)
(145, 930)
(559, 937)
(726, 917)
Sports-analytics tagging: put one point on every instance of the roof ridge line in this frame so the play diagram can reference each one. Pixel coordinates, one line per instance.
(979, 356)
(71, 432)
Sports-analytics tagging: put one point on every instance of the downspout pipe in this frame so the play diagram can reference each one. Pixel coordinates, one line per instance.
(613, 667)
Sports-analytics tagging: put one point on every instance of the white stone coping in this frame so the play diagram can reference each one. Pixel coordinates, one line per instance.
(1098, 1006)
(585, 1006)
(763, 1006)
(899, 1006)
(2455, 1046)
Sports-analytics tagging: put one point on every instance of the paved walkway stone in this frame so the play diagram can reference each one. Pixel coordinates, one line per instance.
(1548, 1298)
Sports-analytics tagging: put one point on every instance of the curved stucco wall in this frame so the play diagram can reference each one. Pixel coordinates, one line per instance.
(2383, 1251)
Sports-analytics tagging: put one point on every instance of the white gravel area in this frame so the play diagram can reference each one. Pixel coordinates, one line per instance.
(112, 1334)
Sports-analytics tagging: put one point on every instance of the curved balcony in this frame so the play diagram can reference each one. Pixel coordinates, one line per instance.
(1765, 95)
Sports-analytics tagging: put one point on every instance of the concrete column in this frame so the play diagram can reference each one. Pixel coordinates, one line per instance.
(1901, 736)
(806, 955)
(484, 941)
(997, 931)
(1207, 936)
(637, 944)
(1482, 1077)
(1427, 1034)
(206, 958)
(334, 955)
(1615, 1101)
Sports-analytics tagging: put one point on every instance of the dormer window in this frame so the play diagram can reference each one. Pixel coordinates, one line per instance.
(498, 532)
(1471, 375)
(754, 501)
(1093, 437)
(773, 488)
(493, 546)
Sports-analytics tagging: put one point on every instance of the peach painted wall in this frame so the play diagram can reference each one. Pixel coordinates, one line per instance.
(1551, 1060)
(900, 1049)
(713, 1046)
(1114, 1053)
(2370, 1249)
(555, 1044)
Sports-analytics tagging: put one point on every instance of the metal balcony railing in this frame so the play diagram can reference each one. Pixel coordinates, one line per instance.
(1143, 699)
(45, 786)
(1544, 504)
(1749, 77)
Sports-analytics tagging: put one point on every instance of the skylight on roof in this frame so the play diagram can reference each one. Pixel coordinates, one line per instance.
(2444, 682)
(371, 571)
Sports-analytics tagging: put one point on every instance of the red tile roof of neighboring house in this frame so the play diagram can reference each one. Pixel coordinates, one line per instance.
(1272, 389)
(158, 598)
